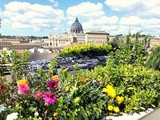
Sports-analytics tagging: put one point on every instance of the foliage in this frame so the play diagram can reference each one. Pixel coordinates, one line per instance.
(129, 53)
(138, 85)
(19, 65)
(4, 59)
(89, 49)
(82, 97)
(123, 85)
(141, 35)
(153, 60)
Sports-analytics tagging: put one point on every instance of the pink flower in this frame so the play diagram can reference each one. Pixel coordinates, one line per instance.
(50, 98)
(52, 84)
(38, 95)
(23, 89)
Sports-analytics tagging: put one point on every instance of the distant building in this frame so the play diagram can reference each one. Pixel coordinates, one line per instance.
(5, 45)
(155, 42)
(76, 27)
(78, 37)
(96, 37)
(75, 36)
(18, 46)
(59, 40)
(39, 50)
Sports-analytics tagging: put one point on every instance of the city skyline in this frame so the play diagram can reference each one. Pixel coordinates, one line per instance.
(40, 18)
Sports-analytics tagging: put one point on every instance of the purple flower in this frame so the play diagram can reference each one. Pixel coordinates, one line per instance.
(50, 98)
(52, 84)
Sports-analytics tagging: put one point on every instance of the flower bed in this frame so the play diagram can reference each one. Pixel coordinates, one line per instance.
(104, 91)
(84, 95)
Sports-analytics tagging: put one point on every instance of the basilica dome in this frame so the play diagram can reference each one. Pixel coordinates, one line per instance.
(76, 27)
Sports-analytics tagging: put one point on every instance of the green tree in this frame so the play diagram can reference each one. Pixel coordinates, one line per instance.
(131, 52)
(153, 60)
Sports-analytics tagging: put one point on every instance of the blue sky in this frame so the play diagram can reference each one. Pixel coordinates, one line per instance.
(42, 17)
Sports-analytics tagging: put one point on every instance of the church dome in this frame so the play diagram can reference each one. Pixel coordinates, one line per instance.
(76, 27)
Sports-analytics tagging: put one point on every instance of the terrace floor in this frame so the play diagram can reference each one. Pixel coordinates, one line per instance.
(155, 115)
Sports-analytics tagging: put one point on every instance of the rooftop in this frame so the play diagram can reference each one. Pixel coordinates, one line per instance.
(97, 32)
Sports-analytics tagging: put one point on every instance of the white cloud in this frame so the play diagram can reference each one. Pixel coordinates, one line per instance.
(54, 2)
(109, 29)
(132, 20)
(136, 23)
(24, 15)
(124, 5)
(85, 10)
(136, 7)
(138, 15)
(101, 23)
(1, 14)
(92, 16)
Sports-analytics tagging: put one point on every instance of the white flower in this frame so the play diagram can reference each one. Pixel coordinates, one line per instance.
(39, 118)
(36, 114)
(12, 116)
(2, 108)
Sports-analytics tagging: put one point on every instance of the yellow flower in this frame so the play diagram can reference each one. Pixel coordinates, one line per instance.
(66, 89)
(110, 107)
(21, 82)
(119, 99)
(104, 90)
(112, 93)
(116, 109)
(55, 77)
(83, 79)
(109, 87)
(110, 90)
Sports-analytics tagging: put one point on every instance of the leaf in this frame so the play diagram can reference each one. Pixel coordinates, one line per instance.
(83, 113)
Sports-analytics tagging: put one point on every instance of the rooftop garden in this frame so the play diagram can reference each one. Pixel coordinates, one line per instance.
(128, 83)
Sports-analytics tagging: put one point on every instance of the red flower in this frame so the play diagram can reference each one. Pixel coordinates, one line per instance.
(52, 84)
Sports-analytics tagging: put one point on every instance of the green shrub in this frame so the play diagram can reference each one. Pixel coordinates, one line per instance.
(153, 60)
(140, 86)
(90, 49)
(129, 53)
